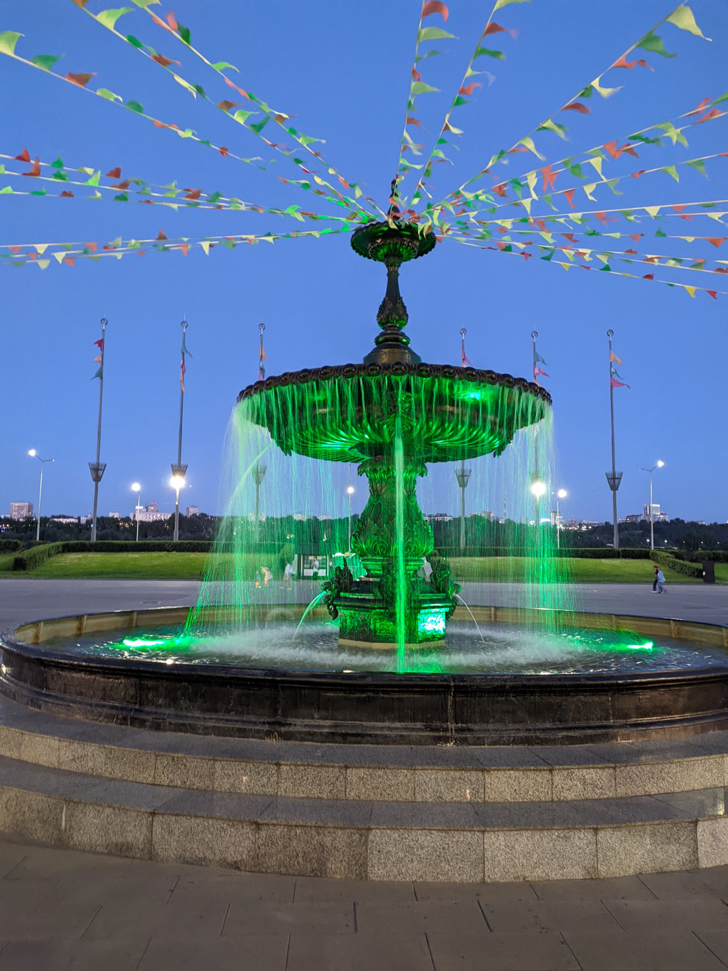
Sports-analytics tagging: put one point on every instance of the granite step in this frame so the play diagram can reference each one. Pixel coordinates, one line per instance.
(445, 774)
(366, 839)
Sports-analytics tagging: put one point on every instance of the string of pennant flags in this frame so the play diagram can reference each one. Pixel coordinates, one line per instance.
(471, 215)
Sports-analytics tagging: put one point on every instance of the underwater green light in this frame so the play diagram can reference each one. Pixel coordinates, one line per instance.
(181, 641)
(647, 646)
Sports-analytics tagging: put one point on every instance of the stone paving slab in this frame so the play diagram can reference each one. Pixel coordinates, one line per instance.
(173, 917)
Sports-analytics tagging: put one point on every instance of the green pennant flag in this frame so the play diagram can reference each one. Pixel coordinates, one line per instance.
(655, 45)
(8, 40)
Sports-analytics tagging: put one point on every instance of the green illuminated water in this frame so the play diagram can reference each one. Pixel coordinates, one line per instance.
(494, 649)
(292, 450)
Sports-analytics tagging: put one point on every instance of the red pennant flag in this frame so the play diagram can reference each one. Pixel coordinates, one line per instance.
(549, 177)
(716, 240)
(577, 106)
(434, 6)
(23, 157)
(493, 28)
(114, 173)
(618, 384)
(80, 79)
(712, 293)
(569, 196)
(161, 234)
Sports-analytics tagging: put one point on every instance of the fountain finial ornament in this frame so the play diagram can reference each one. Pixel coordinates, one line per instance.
(392, 242)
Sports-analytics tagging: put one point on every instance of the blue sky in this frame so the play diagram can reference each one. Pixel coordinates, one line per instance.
(343, 69)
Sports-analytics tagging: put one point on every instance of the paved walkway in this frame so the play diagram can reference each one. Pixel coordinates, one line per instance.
(62, 909)
(31, 599)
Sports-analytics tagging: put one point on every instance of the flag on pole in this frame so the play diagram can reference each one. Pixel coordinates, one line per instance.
(99, 359)
(261, 357)
(613, 375)
(537, 359)
(463, 356)
(182, 372)
(613, 358)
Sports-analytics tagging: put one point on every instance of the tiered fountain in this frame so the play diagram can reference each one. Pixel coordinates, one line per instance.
(394, 415)
(231, 666)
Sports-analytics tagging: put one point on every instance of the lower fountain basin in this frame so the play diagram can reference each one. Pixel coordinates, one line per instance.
(529, 677)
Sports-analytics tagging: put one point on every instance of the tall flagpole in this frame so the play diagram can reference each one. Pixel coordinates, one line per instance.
(179, 470)
(462, 474)
(98, 468)
(258, 469)
(615, 478)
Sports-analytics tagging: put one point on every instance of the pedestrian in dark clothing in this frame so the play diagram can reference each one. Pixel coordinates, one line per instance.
(654, 581)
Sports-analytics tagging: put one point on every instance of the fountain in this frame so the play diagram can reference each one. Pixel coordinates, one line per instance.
(390, 663)
(393, 415)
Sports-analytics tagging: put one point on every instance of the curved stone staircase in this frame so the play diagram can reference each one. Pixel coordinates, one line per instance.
(366, 812)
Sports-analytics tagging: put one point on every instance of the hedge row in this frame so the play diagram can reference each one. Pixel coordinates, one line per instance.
(10, 545)
(671, 562)
(143, 546)
(597, 553)
(30, 559)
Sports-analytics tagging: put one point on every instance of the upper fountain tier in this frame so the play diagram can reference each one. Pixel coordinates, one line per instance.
(354, 412)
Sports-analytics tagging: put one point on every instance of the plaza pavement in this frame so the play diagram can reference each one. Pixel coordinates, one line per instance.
(31, 599)
(65, 909)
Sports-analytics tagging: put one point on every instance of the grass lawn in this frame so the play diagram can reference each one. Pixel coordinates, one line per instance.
(569, 569)
(140, 566)
(190, 566)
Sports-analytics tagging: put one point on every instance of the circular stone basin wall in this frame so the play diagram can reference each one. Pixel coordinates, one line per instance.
(466, 709)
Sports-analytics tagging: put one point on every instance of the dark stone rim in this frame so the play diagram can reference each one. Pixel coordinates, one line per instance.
(398, 369)
(366, 707)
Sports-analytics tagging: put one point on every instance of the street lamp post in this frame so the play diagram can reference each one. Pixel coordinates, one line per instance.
(463, 475)
(258, 475)
(658, 465)
(350, 493)
(32, 452)
(135, 487)
(178, 469)
(538, 489)
(177, 482)
(561, 494)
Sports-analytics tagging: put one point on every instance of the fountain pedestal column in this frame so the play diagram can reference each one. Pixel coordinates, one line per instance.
(392, 605)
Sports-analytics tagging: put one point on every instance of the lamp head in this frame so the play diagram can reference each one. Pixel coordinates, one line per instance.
(659, 463)
(177, 482)
(135, 487)
(32, 452)
(350, 490)
(562, 493)
(538, 488)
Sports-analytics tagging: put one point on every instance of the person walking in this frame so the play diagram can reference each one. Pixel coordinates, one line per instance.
(288, 577)
(660, 581)
(654, 579)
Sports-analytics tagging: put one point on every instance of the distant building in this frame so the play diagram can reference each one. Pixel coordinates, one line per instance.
(66, 520)
(439, 517)
(488, 514)
(644, 517)
(192, 511)
(150, 514)
(21, 510)
(114, 515)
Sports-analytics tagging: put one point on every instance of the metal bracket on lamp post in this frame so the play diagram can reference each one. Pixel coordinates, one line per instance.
(97, 470)
(463, 475)
(258, 476)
